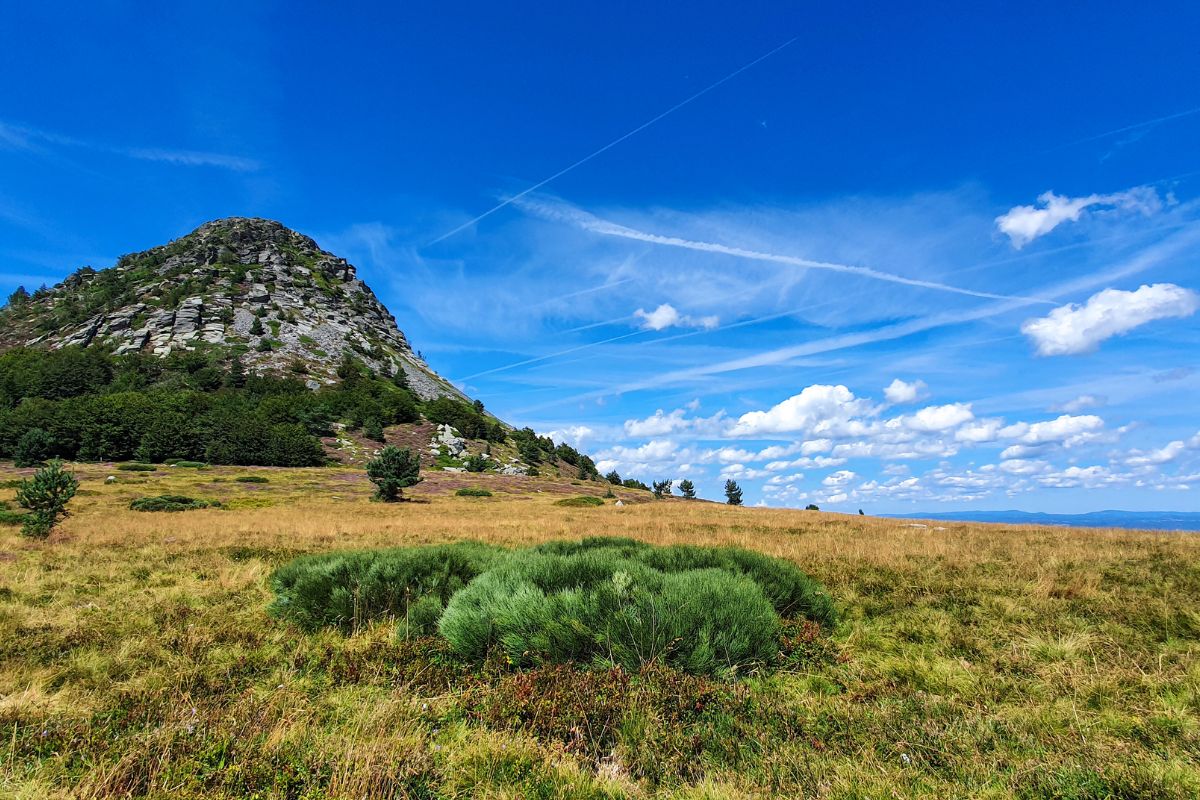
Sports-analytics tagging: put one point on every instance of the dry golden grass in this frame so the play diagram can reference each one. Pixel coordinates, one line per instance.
(974, 660)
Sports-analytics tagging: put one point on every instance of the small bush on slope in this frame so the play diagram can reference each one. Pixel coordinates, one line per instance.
(473, 491)
(171, 502)
(583, 501)
(599, 607)
(348, 589)
(602, 601)
(792, 593)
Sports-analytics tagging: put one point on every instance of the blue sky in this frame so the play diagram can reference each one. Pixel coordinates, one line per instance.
(876, 258)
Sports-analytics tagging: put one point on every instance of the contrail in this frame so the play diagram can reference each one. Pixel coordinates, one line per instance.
(1134, 126)
(613, 143)
(594, 224)
(549, 356)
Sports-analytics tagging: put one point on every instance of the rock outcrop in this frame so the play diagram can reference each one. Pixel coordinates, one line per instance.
(253, 285)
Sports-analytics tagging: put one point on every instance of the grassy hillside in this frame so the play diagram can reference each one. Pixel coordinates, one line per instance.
(137, 658)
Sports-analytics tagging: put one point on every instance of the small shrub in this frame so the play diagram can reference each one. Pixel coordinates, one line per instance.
(252, 479)
(348, 589)
(600, 607)
(392, 471)
(473, 491)
(600, 601)
(476, 463)
(171, 502)
(136, 467)
(373, 430)
(189, 464)
(46, 495)
(583, 501)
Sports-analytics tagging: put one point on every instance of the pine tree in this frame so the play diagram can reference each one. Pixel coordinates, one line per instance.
(46, 495)
(662, 489)
(256, 327)
(392, 471)
(613, 478)
(733, 493)
(687, 489)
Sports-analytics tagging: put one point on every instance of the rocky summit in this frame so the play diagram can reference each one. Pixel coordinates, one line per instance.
(254, 286)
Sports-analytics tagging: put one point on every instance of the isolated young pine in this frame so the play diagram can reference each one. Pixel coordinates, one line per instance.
(46, 495)
(392, 471)
(733, 493)
(687, 489)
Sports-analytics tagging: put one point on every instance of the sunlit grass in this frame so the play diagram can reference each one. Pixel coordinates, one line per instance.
(137, 657)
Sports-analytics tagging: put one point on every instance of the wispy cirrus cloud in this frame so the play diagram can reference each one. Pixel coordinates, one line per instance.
(36, 140)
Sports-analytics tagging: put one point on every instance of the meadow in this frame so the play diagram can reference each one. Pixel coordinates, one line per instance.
(137, 657)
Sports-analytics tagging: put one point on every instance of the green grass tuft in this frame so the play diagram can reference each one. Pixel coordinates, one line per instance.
(583, 501)
(473, 491)
(171, 502)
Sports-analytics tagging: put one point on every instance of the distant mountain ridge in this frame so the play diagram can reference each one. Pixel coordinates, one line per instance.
(1137, 520)
(251, 285)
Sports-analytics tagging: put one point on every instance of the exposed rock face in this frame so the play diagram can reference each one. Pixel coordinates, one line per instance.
(209, 288)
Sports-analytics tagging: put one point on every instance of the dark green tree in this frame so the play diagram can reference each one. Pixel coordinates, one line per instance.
(392, 471)
(687, 489)
(46, 495)
(733, 493)
(662, 489)
(812, 507)
(476, 463)
(373, 430)
(256, 327)
(236, 377)
(34, 447)
(614, 478)
(18, 298)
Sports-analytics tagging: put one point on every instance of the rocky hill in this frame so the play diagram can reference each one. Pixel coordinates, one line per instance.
(252, 285)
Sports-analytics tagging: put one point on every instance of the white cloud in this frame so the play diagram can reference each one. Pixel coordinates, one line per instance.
(1075, 328)
(1021, 466)
(575, 434)
(1162, 455)
(839, 478)
(665, 316)
(1067, 430)
(657, 424)
(899, 391)
(939, 418)
(1023, 224)
(980, 431)
(818, 408)
(1080, 403)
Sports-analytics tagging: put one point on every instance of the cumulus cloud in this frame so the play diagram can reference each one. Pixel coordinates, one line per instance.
(1023, 224)
(839, 478)
(817, 409)
(575, 434)
(1073, 328)
(899, 391)
(666, 316)
(1067, 430)
(1162, 455)
(660, 423)
(939, 418)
